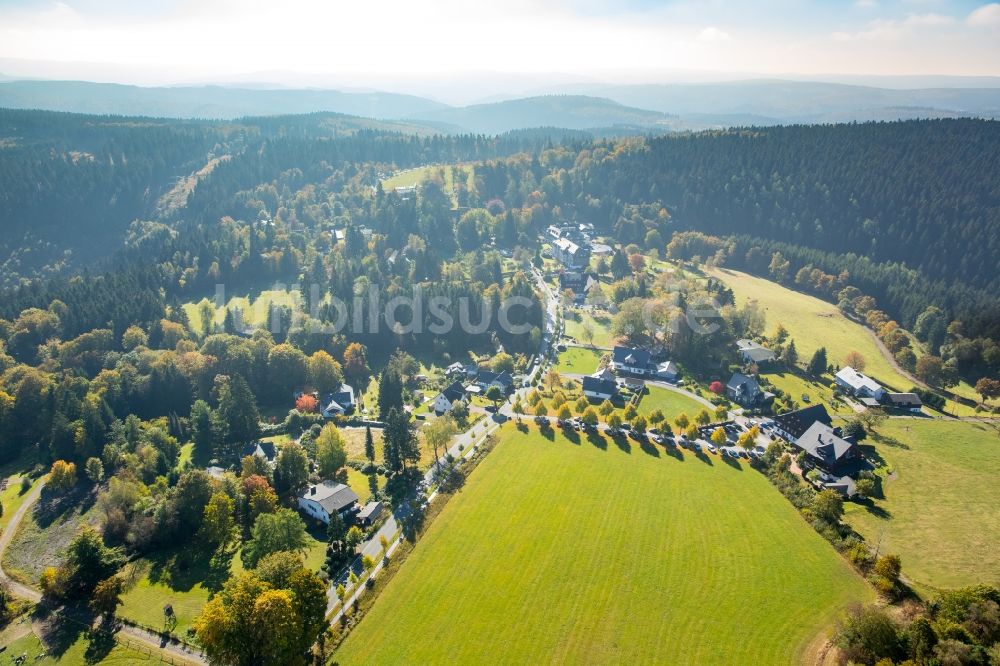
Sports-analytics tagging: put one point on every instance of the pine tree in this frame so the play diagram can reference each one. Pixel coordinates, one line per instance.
(817, 364)
(369, 444)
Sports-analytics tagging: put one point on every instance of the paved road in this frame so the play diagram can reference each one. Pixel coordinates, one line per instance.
(147, 638)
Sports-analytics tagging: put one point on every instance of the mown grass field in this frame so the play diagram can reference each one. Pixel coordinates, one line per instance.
(601, 552)
(78, 652)
(600, 327)
(939, 513)
(578, 360)
(670, 403)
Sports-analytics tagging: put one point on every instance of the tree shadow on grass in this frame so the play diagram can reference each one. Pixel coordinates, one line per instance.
(182, 568)
(621, 441)
(649, 449)
(874, 509)
(732, 462)
(571, 435)
(703, 457)
(674, 452)
(547, 432)
(57, 631)
(100, 643)
(52, 505)
(598, 440)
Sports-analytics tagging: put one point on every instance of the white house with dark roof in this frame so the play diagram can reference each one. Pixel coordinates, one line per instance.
(447, 398)
(859, 384)
(599, 389)
(570, 254)
(322, 500)
(339, 403)
(633, 361)
(745, 391)
(754, 352)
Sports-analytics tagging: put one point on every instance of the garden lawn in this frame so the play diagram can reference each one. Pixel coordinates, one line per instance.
(797, 384)
(578, 360)
(670, 403)
(560, 551)
(600, 326)
(939, 513)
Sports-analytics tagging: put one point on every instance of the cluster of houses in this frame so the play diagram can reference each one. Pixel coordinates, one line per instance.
(573, 245)
(837, 458)
(872, 394)
(629, 368)
(469, 380)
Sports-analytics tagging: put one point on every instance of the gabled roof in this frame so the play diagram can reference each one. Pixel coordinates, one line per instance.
(754, 351)
(667, 368)
(604, 373)
(265, 450)
(740, 381)
(903, 399)
(601, 386)
(454, 391)
(857, 380)
(797, 422)
(822, 444)
(487, 377)
(330, 495)
(341, 400)
(631, 357)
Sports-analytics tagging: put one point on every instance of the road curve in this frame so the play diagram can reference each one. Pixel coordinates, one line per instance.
(150, 639)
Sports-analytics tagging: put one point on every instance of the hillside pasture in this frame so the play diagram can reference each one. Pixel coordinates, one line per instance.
(565, 549)
(939, 513)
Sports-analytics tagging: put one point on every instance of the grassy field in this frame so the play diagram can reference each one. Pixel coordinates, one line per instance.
(939, 513)
(45, 531)
(602, 552)
(254, 310)
(12, 498)
(416, 176)
(66, 647)
(799, 385)
(578, 360)
(670, 402)
(813, 323)
(600, 326)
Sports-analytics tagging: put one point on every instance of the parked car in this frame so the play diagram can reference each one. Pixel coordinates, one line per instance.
(541, 420)
(712, 449)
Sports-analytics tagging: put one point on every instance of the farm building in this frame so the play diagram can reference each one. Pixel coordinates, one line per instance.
(858, 384)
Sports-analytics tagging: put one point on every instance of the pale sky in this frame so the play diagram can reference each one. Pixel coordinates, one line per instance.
(161, 41)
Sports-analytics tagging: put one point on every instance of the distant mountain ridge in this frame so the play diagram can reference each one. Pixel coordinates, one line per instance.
(208, 102)
(598, 108)
(575, 112)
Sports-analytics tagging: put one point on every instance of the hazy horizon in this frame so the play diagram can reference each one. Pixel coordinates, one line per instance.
(465, 51)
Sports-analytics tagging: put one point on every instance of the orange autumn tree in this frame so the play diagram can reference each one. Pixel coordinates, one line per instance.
(306, 403)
